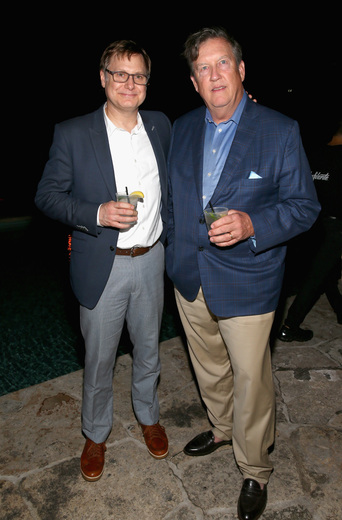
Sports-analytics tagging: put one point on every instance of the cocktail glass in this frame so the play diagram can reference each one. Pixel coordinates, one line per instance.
(131, 199)
(214, 213)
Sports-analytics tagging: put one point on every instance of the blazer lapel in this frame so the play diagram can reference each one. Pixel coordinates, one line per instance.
(99, 139)
(157, 148)
(243, 138)
(198, 136)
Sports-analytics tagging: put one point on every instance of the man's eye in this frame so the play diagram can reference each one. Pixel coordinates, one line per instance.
(203, 69)
(224, 63)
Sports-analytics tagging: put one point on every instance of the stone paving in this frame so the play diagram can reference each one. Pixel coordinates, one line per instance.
(41, 444)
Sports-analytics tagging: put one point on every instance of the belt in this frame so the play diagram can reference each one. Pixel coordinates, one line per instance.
(135, 250)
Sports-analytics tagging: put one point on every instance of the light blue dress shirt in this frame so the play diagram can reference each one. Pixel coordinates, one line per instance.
(217, 144)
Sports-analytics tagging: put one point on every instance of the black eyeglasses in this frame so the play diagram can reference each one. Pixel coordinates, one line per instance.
(121, 77)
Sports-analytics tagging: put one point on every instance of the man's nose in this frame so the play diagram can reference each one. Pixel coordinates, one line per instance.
(215, 74)
(130, 82)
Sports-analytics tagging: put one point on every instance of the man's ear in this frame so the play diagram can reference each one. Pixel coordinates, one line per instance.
(103, 78)
(242, 71)
(193, 79)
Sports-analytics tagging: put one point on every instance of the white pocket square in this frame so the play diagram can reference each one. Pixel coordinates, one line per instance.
(254, 175)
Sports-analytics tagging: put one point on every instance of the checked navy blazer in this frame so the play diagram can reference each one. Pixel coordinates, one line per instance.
(266, 175)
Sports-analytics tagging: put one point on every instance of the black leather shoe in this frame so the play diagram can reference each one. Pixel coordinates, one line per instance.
(294, 334)
(252, 500)
(203, 444)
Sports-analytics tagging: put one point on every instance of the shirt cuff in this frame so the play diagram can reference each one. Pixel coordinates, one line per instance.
(253, 240)
(98, 213)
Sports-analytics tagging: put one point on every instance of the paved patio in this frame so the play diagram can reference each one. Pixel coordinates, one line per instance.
(41, 444)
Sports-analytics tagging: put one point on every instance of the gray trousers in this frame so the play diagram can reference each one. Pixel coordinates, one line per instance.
(135, 292)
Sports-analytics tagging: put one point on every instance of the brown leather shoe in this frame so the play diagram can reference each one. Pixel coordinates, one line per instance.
(156, 440)
(92, 460)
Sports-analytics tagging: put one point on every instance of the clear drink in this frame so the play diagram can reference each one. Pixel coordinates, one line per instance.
(131, 199)
(212, 214)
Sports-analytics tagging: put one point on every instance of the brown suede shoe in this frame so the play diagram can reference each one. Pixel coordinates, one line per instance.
(156, 440)
(92, 460)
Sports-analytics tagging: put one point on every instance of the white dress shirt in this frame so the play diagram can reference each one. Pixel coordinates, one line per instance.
(135, 167)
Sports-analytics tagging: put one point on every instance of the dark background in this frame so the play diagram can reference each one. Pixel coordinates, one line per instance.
(51, 57)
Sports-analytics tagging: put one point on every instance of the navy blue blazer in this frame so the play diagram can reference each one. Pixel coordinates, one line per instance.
(266, 175)
(77, 178)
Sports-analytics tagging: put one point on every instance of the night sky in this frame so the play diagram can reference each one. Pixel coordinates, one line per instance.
(293, 64)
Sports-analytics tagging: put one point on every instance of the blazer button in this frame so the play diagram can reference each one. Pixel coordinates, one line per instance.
(112, 248)
(201, 220)
(201, 248)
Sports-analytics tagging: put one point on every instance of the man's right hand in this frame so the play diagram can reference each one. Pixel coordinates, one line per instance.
(117, 214)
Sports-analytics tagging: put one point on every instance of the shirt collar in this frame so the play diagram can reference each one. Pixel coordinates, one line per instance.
(111, 128)
(235, 117)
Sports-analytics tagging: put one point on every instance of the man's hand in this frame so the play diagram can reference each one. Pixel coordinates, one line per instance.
(251, 97)
(117, 214)
(232, 228)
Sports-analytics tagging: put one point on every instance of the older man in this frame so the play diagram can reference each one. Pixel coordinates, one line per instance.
(241, 155)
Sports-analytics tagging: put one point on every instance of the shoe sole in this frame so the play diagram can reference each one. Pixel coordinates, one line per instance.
(91, 479)
(295, 339)
(285, 340)
(240, 517)
(158, 457)
(196, 454)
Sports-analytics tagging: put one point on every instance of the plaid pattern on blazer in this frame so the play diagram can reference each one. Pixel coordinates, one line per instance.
(266, 175)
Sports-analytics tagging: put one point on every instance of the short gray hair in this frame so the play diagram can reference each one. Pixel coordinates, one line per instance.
(193, 42)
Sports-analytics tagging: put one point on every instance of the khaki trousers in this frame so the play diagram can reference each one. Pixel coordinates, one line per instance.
(232, 362)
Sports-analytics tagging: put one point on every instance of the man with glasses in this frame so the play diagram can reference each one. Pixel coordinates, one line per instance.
(117, 254)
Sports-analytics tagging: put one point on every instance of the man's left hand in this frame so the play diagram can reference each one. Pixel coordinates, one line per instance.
(232, 228)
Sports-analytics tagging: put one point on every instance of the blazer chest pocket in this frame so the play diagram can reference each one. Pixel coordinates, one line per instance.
(255, 191)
